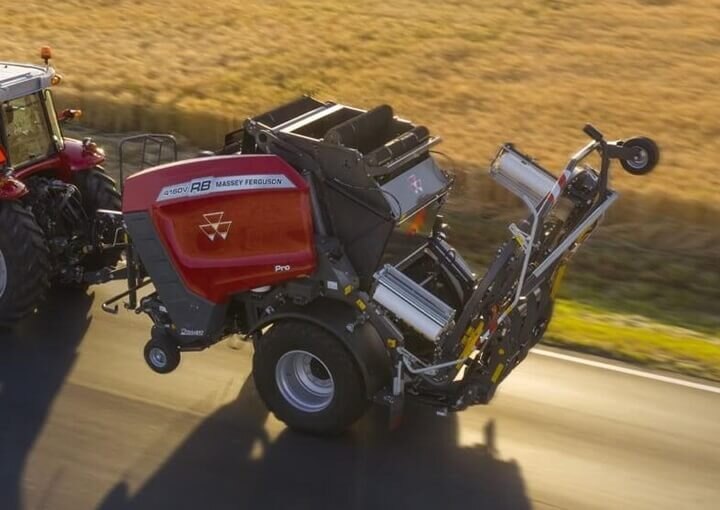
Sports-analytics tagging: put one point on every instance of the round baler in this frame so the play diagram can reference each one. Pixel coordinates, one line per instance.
(315, 233)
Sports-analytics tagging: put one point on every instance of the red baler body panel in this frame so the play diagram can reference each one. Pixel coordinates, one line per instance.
(228, 223)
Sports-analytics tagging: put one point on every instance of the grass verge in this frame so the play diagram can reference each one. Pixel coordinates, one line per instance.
(634, 339)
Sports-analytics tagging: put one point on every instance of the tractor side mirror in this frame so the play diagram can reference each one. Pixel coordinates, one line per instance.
(69, 114)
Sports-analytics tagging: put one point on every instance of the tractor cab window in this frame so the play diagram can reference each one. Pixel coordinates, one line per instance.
(27, 133)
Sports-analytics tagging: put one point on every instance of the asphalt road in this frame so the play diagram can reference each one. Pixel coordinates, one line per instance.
(84, 424)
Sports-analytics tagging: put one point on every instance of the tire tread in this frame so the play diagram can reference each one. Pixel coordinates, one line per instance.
(26, 254)
(350, 402)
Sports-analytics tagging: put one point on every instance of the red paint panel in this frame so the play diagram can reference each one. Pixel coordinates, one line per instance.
(77, 158)
(73, 158)
(11, 188)
(54, 163)
(227, 242)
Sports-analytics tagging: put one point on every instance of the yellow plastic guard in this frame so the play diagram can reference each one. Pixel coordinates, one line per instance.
(557, 280)
(497, 372)
(469, 341)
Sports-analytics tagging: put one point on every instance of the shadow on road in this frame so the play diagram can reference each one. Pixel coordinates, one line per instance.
(230, 462)
(35, 358)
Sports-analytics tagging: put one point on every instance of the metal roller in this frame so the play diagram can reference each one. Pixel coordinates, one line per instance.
(411, 303)
(519, 175)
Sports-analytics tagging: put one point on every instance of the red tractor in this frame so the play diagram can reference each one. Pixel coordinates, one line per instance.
(51, 189)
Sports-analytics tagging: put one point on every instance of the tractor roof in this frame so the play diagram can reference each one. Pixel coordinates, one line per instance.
(17, 80)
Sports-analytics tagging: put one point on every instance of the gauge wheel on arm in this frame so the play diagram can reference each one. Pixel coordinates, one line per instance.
(647, 155)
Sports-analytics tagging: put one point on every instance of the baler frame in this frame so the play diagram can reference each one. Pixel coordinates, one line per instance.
(439, 335)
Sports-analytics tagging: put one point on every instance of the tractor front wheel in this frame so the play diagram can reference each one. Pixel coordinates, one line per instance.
(308, 379)
(24, 263)
(99, 191)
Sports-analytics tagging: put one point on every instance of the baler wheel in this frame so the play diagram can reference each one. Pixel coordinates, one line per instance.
(308, 379)
(162, 354)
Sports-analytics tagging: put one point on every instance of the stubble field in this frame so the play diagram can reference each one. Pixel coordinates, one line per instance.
(477, 73)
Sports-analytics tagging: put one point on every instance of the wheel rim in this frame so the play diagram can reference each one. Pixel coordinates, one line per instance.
(640, 161)
(158, 357)
(3, 274)
(304, 381)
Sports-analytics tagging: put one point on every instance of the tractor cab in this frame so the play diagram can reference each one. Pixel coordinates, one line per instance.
(29, 127)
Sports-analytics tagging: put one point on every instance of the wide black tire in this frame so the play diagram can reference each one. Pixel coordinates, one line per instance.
(99, 191)
(24, 264)
(348, 402)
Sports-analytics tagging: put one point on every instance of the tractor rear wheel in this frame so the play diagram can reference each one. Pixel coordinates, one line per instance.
(24, 263)
(99, 192)
(308, 379)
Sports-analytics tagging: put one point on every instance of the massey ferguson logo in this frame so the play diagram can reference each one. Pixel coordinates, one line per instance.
(210, 185)
(415, 184)
(215, 226)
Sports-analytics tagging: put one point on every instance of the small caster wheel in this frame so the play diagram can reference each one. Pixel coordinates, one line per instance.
(162, 354)
(646, 157)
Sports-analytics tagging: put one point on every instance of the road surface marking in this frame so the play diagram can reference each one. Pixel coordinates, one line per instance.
(628, 371)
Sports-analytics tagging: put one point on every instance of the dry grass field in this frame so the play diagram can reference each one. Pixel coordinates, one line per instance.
(478, 73)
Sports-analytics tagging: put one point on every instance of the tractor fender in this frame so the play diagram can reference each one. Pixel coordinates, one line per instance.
(364, 342)
(11, 188)
(77, 156)
(74, 158)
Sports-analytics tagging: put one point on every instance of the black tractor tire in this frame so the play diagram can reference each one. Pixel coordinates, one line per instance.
(347, 401)
(99, 191)
(162, 354)
(24, 263)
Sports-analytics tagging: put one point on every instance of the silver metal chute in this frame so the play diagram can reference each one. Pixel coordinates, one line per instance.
(519, 175)
(411, 303)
